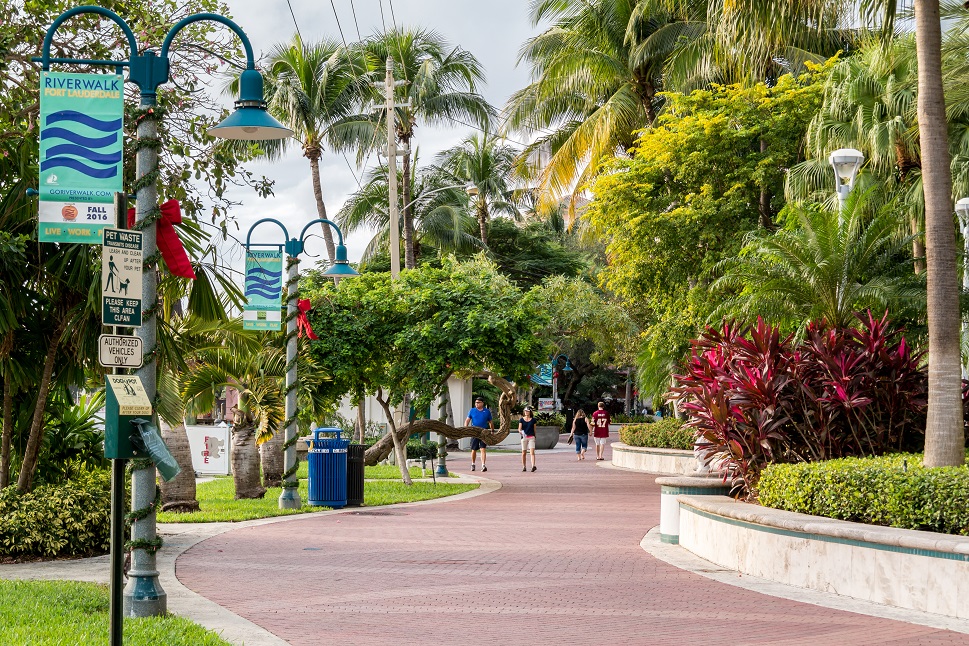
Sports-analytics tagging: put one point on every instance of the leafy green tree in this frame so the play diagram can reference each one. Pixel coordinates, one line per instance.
(532, 252)
(440, 84)
(395, 338)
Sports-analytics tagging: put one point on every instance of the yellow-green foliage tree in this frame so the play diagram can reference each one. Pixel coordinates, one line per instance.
(708, 172)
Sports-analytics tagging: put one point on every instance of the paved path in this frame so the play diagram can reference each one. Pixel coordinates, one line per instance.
(553, 557)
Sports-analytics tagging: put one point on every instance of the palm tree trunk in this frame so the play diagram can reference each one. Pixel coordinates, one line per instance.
(765, 216)
(34, 440)
(483, 220)
(410, 248)
(313, 154)
(7, 432)
(944, 435)
(918, 247)
(245, 463)
(179, 494)
(271, 458)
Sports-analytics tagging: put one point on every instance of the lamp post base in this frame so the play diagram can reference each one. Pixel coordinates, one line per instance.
(442, 458)
(144, 596)
(289, 498)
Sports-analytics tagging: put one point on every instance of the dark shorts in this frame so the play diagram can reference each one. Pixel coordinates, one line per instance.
(477, 444)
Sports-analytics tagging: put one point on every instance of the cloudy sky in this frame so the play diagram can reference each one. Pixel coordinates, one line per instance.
(492, 31)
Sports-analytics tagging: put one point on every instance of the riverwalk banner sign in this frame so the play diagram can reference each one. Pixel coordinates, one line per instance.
(81, 144)
(264, 290)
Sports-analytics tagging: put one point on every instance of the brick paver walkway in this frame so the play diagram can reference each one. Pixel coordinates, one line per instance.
(551, 558)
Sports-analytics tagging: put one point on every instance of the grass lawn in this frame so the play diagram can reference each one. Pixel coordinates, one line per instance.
(218, 504)
(55, 613)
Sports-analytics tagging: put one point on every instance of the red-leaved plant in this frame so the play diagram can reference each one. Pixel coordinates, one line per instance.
(754, 398)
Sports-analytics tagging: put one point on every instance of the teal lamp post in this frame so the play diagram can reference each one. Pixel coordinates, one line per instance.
(555, 376)
(289, 498)
(148, 70)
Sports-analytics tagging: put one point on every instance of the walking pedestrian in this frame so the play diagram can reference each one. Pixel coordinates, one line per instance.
(600, 429)
(580, 434)
(479, 417)
(526, 426)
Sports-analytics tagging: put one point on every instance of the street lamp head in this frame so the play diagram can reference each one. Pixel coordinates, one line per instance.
(250, 121)
(846, 162)
(962, 208)
(341, 266)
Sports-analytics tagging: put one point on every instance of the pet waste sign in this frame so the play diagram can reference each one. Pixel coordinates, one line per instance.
(81, 144)
(121, 278)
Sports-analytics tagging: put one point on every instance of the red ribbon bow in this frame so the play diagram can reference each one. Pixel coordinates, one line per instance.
(302, 321)
(169, 243)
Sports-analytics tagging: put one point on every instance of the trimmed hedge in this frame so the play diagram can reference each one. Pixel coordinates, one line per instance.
(667, 433)
(70, 519)
(893, 490)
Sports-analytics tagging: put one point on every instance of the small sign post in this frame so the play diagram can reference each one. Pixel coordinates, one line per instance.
(115, 351)
(121, 278)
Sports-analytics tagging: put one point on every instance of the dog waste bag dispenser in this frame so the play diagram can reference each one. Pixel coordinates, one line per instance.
(128, 432)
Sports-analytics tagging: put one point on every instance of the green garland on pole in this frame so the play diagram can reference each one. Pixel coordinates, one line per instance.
(292, 285)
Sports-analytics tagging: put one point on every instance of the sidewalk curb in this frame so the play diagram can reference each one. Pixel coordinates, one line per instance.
(683, 559)
(180, 537)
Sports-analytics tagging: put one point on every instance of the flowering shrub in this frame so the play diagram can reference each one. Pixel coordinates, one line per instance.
(755, 398)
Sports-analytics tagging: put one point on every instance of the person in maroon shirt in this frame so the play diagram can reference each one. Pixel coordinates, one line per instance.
(600, 429)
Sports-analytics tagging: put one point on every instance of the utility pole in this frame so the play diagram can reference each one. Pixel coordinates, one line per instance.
(392, 172)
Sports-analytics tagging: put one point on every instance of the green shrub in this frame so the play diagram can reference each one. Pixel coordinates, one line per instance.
(549, 418)
(416, 450)
(69, 519)
(893, 490)
(667, 433)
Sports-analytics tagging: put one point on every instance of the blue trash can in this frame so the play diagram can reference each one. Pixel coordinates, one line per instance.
(327, 459)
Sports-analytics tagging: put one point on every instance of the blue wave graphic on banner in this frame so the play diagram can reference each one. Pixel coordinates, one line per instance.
(80, 140)
(252, 291)
(265, 272)
(81, 153)
(97, 124)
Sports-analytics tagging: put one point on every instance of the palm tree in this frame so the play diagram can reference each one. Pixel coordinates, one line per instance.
(750, 42)
(316, 90)
(257, 376)
(485, 163)
(833, 265)
(439, 212)
(593, 89)
(440, 84)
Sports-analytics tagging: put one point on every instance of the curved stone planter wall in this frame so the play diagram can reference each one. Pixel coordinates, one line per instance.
(897, 567)
(651, 460)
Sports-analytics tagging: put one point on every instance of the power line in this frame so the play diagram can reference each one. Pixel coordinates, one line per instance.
(383, 21)
(296, 24)
(357, 24)
(338, 25)
(392, 16)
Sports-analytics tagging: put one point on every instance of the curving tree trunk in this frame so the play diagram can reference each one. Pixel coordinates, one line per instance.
(245, 463)
(179, 494)
(396, 440)
(506, 401)
(361, 420)
(313, 153)
(944, 434)
(271, 458)
(410, 244)
(36, 437)
(7, 433)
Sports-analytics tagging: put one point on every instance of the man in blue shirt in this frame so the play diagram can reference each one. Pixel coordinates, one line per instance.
(480, 417)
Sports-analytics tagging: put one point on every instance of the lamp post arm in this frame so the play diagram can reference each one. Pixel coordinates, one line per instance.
(214, 17)
(45, 58)
(274, 221)
(339, 234)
